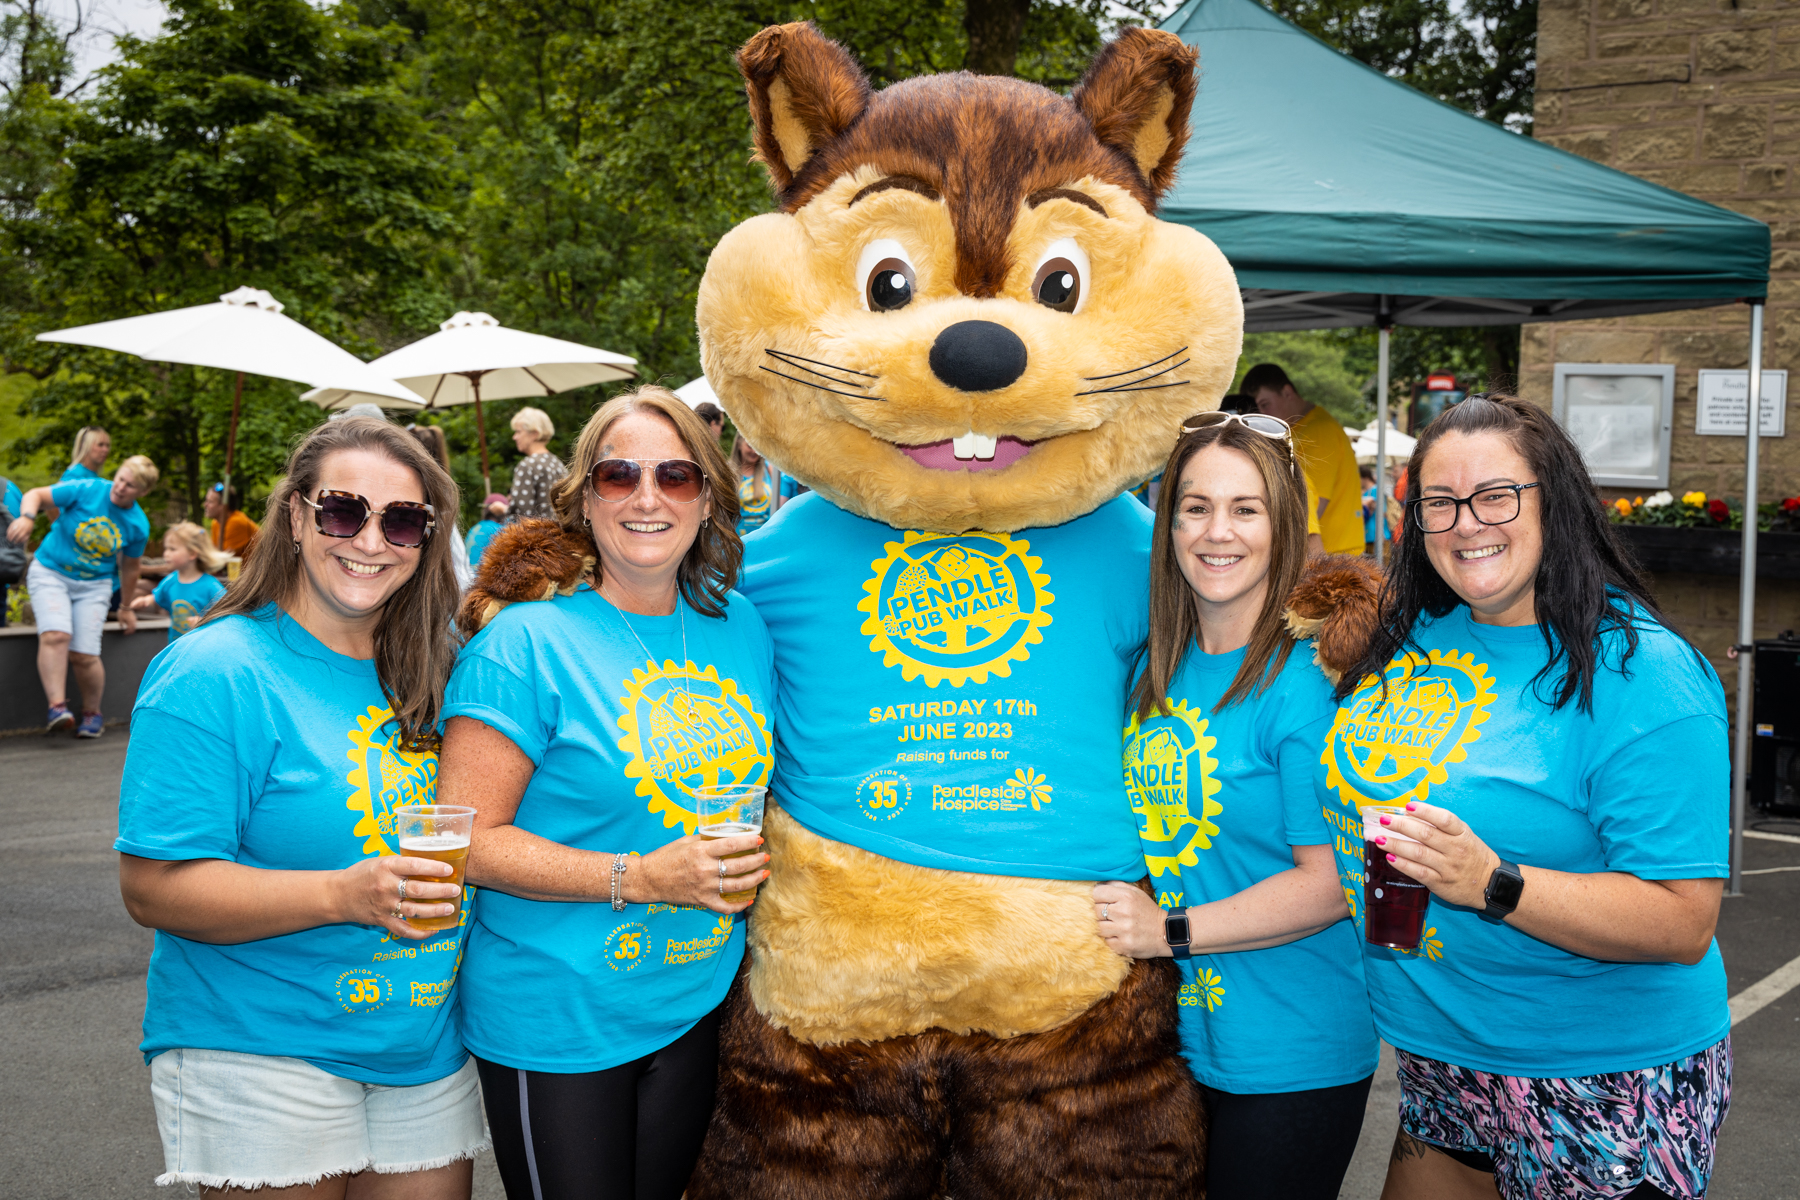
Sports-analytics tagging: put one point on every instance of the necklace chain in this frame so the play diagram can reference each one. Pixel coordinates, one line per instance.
(687, 713)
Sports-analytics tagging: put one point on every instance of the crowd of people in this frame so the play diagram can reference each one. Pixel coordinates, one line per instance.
(1578, 1046)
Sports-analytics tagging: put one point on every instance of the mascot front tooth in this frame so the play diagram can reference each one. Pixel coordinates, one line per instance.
(967, 332)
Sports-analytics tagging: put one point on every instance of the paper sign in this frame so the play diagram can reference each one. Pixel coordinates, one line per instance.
(1616, 420)
(1723, 398)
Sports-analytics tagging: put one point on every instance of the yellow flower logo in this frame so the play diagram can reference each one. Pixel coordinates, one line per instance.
(1212, 986)
(955, 608)
(1169, 766)
(1036, 785)
(1430, 945)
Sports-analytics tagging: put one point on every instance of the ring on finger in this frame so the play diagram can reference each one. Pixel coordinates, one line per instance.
(402, 891)
(1106, 912)
(398, 915)
(721, 868)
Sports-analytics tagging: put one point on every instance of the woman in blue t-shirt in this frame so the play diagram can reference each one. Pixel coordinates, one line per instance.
(580, 727)
(1219, 755)
(300, 1030)
(1562, 1028)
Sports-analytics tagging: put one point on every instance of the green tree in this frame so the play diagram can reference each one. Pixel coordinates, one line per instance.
(259, 142)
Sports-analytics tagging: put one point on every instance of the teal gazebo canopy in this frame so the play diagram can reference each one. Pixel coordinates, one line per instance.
(1340, 195)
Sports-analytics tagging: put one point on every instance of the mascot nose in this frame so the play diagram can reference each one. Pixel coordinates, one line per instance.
(977, 356)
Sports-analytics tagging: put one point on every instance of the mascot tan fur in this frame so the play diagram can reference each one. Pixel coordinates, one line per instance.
(966, 331)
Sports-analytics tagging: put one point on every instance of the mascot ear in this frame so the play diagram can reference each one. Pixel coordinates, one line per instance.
(804, 89)
(1137, 96)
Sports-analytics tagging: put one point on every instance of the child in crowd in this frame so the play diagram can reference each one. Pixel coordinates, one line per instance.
(189, 589)
(493, 516)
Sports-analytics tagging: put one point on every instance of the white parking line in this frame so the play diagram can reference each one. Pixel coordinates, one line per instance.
(1769, 870)
(1765, 991)
(1772, 837)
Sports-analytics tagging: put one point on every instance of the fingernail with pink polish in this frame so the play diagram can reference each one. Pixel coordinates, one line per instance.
(1381, 841)
(1391, 858)
(1410, 807)
(1387, 821)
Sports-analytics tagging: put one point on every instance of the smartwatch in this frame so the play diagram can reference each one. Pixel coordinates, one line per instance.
(1504, 888)
(1177, 933)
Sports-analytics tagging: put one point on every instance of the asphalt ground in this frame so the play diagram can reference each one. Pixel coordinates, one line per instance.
(76, 1095)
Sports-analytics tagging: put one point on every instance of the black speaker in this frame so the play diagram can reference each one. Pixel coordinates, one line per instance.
(1775, 719)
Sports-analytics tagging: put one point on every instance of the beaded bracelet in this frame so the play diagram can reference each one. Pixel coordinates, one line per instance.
(619, 864)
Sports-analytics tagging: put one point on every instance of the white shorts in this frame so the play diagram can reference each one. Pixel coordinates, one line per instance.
(250, 1120)
(73, 606)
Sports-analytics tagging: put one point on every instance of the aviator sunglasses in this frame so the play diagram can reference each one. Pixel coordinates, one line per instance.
(404, 523)
(615, 480)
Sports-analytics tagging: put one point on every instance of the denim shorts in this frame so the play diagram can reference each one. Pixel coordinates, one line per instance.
(1583, 1138)
(250, 1120)
(73, 606)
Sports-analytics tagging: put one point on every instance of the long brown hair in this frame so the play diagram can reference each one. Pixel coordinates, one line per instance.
(710, 567)
(1174, 619)
(414, 646)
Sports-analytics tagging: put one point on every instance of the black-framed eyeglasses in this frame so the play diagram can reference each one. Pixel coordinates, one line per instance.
(405, 523)
(615, 480)
(1490, 506)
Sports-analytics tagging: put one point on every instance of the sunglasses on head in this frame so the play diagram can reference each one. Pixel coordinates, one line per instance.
(616, 480)
(1271, 427)
(405, 523)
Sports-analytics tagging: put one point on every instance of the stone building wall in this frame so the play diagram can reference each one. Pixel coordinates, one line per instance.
(1702, 96)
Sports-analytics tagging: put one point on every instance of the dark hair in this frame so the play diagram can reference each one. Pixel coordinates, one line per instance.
(709, 569)
(1238, 403)
(1587, 583)
(432, 438)
(1264, 375)
(1174, 623)
(709, 413)
(414, 645)
(232, 497)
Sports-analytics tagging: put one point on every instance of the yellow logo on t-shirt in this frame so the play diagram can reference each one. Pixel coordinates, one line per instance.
(383, 777)
(955, 607)
(1401, 730)
(98, 539)
(184, 616)
(1167, 767)
(685, 728)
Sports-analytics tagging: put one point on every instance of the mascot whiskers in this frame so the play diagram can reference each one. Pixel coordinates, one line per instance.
(966, 331)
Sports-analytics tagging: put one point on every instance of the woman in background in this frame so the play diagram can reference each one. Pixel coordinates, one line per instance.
(93, 446)
(536, 477)
(230, 528)
(761, 488)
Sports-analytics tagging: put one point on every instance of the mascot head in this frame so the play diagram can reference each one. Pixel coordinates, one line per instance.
(964, 315)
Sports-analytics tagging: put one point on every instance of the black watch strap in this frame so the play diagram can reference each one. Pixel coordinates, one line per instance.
(1178, 932)
(1505, 886)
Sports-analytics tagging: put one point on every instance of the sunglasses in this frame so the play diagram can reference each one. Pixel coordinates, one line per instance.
(405, 523)
(1271, 427)
(616, 480)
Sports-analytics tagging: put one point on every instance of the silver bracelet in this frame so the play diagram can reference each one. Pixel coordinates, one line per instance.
(619, 864)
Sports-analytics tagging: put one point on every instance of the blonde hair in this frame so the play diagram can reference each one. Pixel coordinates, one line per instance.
(193, 539)
(709, 569)
(534, 420)
(759, 477)
(143, 471)
(84, 438)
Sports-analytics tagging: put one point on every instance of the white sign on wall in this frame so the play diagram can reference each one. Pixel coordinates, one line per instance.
(1621, 416)
(1724, 395)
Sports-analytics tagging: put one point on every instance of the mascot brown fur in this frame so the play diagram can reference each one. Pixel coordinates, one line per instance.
(963, 317)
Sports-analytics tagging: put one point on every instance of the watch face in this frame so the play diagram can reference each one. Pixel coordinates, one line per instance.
(1176, 931)
(1504, 889)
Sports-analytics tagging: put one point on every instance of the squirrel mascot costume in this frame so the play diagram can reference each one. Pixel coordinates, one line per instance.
(967, 333)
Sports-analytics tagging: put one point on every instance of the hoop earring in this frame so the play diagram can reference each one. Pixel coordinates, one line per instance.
(296, 547)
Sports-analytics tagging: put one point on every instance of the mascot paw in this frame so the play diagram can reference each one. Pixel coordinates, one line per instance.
(532, 560)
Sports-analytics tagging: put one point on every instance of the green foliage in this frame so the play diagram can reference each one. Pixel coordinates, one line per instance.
(1326, 368)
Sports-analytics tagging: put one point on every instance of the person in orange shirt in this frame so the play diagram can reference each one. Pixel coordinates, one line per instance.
(239, 529)
(1324, 452)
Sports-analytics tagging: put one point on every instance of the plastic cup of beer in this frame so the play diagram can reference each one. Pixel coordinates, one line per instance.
(440, 832)
(1394, 904)
(731, 810)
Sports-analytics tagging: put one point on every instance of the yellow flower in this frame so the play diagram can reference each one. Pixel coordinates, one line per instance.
(1623, 506)
(1638, 503)
(1697, 499)
(1214, 986)
(1035, 784)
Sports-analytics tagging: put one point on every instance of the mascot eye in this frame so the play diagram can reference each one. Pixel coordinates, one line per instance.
(890, 286)
(1060, 279)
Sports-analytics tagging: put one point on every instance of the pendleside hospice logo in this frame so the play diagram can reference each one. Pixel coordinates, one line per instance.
(955, 608)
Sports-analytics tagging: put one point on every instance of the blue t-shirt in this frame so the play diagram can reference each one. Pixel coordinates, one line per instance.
(87, 539)
(1641, 785)
(77, 473)
(254, 743)
(13, 498)
(479, 537)
(186, 603)
(953, 701)
(753, 513)
(1221, 798)
(620, 736)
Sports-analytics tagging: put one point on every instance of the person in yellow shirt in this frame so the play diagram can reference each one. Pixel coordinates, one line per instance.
(239, 529)
(1324, 452)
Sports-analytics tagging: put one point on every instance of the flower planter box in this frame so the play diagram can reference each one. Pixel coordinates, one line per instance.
(1711, 551)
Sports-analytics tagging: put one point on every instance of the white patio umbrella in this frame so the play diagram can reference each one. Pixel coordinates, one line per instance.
(696, 392)
(1366, 443)
(246, 333)
(473, 357)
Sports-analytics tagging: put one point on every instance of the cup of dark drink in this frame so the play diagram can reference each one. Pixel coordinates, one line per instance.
(1393, 903)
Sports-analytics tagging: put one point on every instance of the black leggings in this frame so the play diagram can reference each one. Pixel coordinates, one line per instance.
(630, 1132)
(1295, 1145)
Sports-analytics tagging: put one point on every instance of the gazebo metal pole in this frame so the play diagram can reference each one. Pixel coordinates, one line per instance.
(1381, 403)
(1746, 655)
